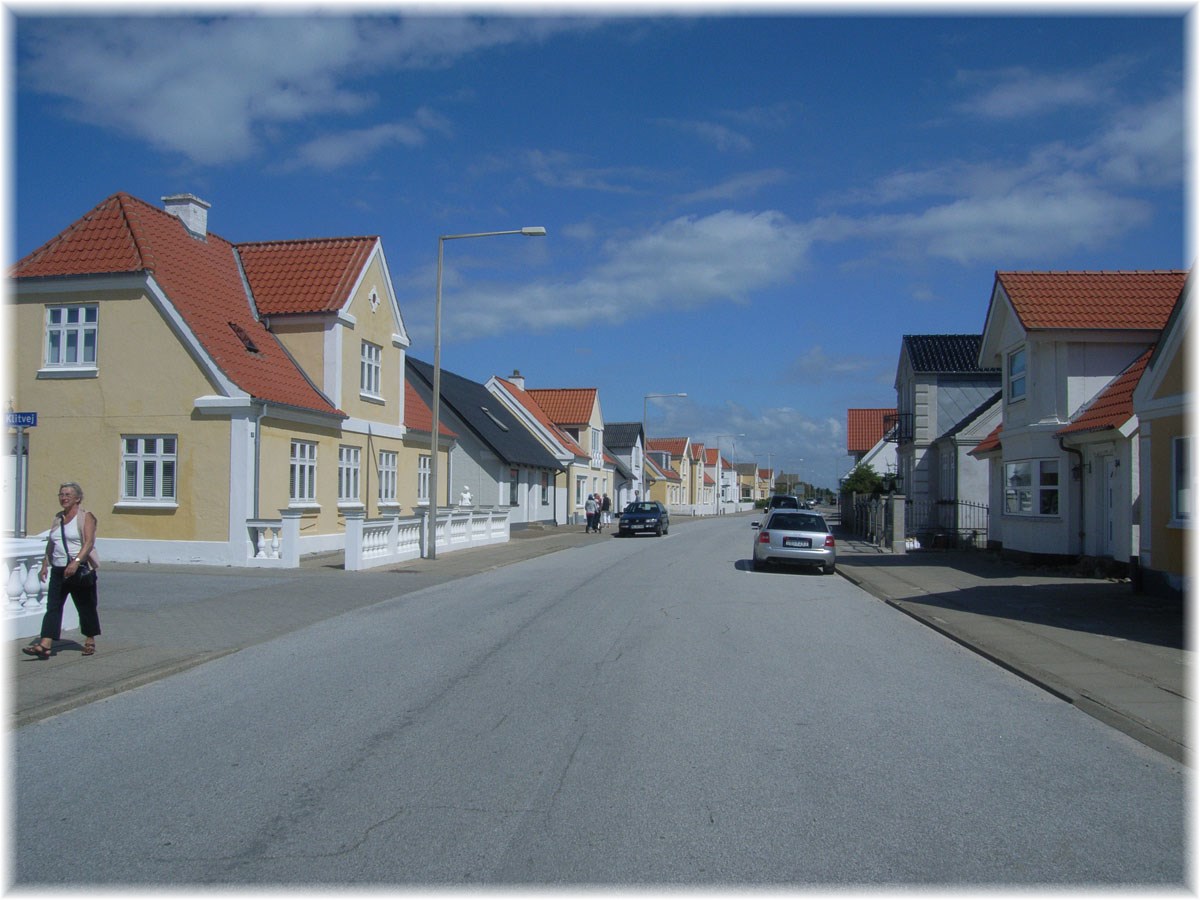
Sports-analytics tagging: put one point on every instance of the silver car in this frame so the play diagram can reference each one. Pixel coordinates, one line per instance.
(794, 536)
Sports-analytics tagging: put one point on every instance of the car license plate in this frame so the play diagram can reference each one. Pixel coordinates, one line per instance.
(797, 542)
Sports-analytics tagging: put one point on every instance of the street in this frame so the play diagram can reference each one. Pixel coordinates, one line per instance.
(643, 711)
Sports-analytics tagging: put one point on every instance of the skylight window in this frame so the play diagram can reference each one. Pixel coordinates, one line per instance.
(487, 412)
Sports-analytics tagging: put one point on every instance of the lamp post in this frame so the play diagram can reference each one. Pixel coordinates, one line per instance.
(534, 231)
(733, 452)
(653, 397)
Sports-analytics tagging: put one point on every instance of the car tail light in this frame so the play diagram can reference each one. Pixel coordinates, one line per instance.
(764, 537)
(829, 542)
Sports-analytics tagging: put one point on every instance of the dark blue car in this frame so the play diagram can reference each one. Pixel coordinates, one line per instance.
(644, 517)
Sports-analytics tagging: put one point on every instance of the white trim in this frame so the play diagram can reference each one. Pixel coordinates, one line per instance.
(65, 372)
(355, 425)
(187, 337)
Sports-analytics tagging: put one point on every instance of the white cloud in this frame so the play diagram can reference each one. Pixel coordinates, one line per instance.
(211, 89)
(720, 136)
(1059, 200)
(683, 264)
(1020, 92)
(737, 186)
(331, 151)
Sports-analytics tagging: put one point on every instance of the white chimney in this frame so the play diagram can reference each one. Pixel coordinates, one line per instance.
(518, 379)
(190, 210)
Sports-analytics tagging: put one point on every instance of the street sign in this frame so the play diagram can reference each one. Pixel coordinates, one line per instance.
(21, 419)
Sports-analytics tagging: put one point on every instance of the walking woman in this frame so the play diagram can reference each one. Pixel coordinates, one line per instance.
(71, 565)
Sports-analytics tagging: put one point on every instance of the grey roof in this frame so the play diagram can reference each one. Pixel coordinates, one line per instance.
(945, 353)
(485, 415)
(622, 435)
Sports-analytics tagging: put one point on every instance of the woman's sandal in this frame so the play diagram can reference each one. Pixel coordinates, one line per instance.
(89, 647)
(37, 650)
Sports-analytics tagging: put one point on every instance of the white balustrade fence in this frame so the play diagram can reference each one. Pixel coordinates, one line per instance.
(26, 592)
(382, 542)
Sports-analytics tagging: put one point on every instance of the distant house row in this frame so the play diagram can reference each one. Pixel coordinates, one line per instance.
(199, 389)
(1066, 417)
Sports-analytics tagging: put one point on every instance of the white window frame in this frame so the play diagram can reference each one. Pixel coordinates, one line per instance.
(424, 464)
(514, 487)
(72, 339)
(153, 455)
(302, 474)
(1018, 382)
(1025, 497)
(597, 448)
(389, 477)
(1182, 477)
(370, 371)
(545, 489)
(580, 491)
(349, 475)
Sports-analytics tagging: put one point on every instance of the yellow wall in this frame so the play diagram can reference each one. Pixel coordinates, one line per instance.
(1168, 542)
(376, 326)
(81, 420)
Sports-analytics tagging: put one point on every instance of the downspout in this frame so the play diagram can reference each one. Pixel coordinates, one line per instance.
(1082, 495)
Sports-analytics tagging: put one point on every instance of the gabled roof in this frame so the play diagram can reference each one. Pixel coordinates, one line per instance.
(865, 428)
(418, 417)
(674, 446)
(200, 279)
(1113, 406)
(944, 354)
(1093, 300)
(531, 406)
(313, 276)
(490, 420)
(621, 435)
(566, 406)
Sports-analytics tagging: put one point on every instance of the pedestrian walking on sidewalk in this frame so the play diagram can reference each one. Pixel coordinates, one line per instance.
(591, 510)
(605, 511)
(71, 564)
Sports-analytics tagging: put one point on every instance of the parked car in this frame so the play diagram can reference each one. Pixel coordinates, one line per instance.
(783, 501)
(794, 537)
(642, 517)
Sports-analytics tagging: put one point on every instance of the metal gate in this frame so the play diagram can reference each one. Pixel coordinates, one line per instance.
(937, 524)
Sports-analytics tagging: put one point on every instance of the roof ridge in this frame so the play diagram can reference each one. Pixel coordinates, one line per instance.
(324, 240)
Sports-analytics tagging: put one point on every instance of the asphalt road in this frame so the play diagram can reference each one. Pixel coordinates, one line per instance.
(631, 712)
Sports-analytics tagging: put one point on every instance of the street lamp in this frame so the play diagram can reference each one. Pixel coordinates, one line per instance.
(733, 452)
(535, 231)
(652, 397)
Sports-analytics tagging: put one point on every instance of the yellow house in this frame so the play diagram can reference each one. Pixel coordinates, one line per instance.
(1162, 401)
(199, 389)
(678, 457)
(570, 424)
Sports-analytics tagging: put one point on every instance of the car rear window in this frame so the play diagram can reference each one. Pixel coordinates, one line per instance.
(796, 522)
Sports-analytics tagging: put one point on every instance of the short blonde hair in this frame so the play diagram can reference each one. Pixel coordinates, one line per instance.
(73, 486)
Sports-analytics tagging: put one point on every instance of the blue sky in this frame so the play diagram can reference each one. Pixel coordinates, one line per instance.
(749, 209)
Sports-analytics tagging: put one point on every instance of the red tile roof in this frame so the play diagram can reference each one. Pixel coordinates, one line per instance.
(865, 428)
(989, 443)
(566, 406)
(417, 414)
(201, 280)
(1093, 300)
(534, 409)
(1113, 406)
(304, 276)
(674, 446)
